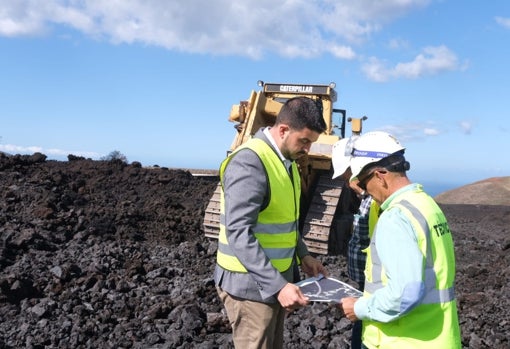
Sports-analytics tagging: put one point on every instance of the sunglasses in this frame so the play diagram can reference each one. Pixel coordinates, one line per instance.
(362, 183)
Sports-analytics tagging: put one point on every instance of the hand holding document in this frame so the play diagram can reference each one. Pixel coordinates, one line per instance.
(322, 289)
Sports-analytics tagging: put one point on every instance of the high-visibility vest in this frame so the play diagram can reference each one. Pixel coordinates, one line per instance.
(433, 323)
(277, 225)
(373, 216)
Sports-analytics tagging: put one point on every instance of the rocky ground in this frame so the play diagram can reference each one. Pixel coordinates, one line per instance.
(101, 254)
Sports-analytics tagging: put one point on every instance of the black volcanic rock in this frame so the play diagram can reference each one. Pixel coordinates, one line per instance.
(102, 254)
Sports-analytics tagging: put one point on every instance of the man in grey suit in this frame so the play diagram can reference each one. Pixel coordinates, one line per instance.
(259, 244)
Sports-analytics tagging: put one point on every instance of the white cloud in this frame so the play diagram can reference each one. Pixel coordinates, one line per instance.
(412, 131)
(428, 131)
(294, 28)
(505, 22)
(376, 70)
(344, 52)
(418, 131)
(51, 152)
(466, 127)
(16, 149)
(431, 61)
(397, 43)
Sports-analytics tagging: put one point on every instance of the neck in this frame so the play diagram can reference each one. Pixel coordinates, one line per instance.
(392, 183)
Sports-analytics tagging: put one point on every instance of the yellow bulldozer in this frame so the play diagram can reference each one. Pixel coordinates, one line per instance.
(327, 204)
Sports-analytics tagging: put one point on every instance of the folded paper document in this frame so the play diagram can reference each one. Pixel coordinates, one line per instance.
(322, 289)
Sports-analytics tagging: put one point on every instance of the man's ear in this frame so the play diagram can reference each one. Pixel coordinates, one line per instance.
(282, 129)
(381, 177)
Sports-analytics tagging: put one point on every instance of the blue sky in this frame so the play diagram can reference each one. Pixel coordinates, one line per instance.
(156, 79)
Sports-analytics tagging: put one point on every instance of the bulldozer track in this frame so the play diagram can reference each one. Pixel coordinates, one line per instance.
(321, 214)
(212, 214)
(318, 222)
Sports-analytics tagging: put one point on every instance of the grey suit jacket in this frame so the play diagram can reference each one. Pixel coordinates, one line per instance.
(246, 189)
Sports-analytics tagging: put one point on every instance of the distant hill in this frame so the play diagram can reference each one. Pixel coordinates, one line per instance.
(491, 191)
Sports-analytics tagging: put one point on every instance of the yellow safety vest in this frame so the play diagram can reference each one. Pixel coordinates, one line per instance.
(277, 224)
(373, 216)
(433, 323)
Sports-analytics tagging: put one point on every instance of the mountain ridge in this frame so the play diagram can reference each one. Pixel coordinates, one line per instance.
(490, 191)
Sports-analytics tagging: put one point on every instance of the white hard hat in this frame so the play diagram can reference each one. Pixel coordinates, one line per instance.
(372, 147)
(339, 158)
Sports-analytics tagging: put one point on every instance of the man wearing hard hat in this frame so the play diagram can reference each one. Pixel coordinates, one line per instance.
(409, 298)
(362, 226)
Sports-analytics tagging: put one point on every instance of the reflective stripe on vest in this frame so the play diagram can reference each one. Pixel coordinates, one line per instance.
(432, 295)
(277, 225)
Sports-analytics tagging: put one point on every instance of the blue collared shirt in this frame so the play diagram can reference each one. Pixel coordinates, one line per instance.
(397, 246)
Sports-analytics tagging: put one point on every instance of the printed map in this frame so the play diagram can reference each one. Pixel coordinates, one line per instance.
(322, 289)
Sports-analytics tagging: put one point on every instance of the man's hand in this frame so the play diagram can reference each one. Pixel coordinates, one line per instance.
(312, 267)
(291, 297)
(347, 305)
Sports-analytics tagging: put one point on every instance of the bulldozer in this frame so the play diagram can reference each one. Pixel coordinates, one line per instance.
(327, 205)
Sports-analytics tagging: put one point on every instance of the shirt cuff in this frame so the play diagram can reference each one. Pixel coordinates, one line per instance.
(361, 308)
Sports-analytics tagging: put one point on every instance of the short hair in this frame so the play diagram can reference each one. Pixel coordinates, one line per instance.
(392, 163)
(302, 112)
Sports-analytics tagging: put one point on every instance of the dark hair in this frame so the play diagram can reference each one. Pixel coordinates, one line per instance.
(393, 163)
(302, 112)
